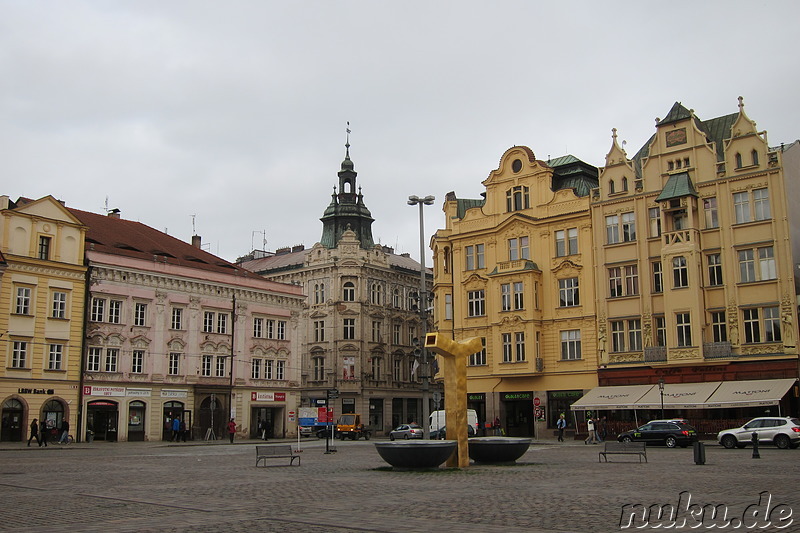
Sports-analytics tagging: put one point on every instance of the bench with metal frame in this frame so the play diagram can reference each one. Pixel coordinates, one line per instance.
(279, 451)
(623, 448)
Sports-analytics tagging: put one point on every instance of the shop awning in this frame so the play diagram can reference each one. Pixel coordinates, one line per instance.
(749, 393)
(617, 397)
(678, 396)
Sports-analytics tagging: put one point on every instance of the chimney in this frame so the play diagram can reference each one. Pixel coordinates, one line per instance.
(197, 241)
(114, 213)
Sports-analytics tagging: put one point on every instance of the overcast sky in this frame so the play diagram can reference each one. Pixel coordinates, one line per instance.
(236, 111)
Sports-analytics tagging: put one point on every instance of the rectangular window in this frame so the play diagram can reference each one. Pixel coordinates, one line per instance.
(319, 368)
(44, 247)
(568, 295)
(208, 322)
(658, 277)
(747, 266)
(615, 282)
(571, 345)
(507, 348)
(280, 369)
(448, 307)
(349, 328)
(137, 361)
(205, 369)
(517, 198)
(612, 229)
(115, 311)
(469, 257)
(654, 214)
(710, 212)
(258, 327)
(140, 314)
(752, 329)
(684, 329)
(255, 369)
(98, 309)
(222, 323)
(23, 306)
(479, 358)
(635, 335)
(397, 370)
(561, 243)
(719, 326)
(617, 336)
(112, 358)
(396, 334)
(505, 297)
(281, 330)
(59, 304)
(741, 207)
(628, 227)
(177, 318)
(270, 329)
(661, 331)
(268, 369)
(319, 330)
(572, 241)
(714, 269)
(220, 370)
(518, 249)
(174, 364)
(772, 324)
(766, 263)
(412, 334)
(476, 303)
(680, 272)
(519, 302)
(519, 346)
(93, 359)
(376, 331)
(631, 280)
(55, 357)
(761, 204)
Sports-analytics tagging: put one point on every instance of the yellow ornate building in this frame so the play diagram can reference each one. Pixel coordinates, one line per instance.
(41, 315)
(516, 269)
(694, 267)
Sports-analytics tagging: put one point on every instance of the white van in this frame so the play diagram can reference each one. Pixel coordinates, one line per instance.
(437, 420)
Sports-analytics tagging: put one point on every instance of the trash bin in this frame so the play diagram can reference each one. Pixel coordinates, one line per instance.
(699, 453)
(89, 436)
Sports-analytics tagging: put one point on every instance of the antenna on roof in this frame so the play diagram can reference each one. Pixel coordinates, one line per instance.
(194, 232)
(106, 205)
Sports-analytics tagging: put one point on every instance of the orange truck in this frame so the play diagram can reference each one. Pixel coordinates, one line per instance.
(350, 426)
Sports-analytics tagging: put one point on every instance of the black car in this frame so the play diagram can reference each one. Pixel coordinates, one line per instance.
(441, 433)
(670, 433)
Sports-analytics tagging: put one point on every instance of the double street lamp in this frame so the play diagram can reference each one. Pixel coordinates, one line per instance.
(423, 302)
(661, 390)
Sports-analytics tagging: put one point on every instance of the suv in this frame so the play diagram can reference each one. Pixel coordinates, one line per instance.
(671, 433)
(783, 432)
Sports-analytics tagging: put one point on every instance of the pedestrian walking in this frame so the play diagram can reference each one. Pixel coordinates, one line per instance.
(34, 432)
(497, 429)
(64, 432)
(601, 429)
(231, 429)
(263, 427)
(176, 429)
(592, 438)
(43, 429)
(183, 431)
(561, 425)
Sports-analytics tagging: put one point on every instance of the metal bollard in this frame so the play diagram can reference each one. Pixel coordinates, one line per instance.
(699, 453)
(754, 440)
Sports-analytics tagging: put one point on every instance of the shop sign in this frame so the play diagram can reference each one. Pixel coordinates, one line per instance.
(35, 391)
(94, 390)
(267, 396)
(564, 394)
(514, 396)
(477, 397)
(174, 393)
(139, 393)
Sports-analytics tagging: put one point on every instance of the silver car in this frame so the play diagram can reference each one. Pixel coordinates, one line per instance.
(783, 432)
(406, 431)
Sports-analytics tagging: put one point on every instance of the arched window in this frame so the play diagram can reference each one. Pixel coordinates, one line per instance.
(611, 188)
(349, 292)
(738, 158)
(396, 298)
(624, 184)
(53, 413)
(754, 155)
(446, 265)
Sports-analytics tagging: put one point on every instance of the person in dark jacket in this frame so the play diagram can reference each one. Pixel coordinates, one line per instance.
(43, 429)
(64, 432)
(35, 432)
(232, 429)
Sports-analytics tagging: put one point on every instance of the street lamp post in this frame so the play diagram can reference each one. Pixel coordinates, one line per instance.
(661, 390)
(423, 302)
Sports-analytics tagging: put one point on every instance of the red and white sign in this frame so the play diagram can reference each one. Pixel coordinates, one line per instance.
(267, 396)
(537, 402)
(92, 390)
(291, 416)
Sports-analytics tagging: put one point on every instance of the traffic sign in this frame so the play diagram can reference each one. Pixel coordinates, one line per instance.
(537, 402)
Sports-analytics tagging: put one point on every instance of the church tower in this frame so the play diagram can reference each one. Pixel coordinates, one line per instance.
(347, 209)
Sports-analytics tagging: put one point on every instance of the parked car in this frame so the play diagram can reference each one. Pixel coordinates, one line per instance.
(406, 431)
(306, 431)
(441, 433)
(325, 431)
(667, 432)
(782, 432)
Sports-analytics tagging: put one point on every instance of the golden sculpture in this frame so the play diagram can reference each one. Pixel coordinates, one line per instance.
(454, 358)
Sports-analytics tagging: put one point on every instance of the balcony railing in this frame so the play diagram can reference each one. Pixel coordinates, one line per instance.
(655, 354)
(679, 237)
(717, 350)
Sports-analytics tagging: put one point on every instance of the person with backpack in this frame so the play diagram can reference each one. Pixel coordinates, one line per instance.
(561, 425)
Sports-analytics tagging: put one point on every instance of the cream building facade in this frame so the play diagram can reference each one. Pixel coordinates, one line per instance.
(41, 315)
(516, 269)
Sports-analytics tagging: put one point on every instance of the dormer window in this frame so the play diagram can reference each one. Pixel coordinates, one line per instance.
(670, 165)
(517, 198)
(738, 159)
(611, 188)
(624, 184)
(754, 155)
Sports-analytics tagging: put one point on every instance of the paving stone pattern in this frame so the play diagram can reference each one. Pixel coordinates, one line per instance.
(143, 487)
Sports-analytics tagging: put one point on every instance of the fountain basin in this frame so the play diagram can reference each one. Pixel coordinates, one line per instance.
(497, 450)
(413, 454)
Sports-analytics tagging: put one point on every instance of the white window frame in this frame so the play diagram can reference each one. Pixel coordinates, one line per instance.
(571, 345)
(59, 304)
(55, 356)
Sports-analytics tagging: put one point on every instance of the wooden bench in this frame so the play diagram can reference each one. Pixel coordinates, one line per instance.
(279, 451)
(623, 448)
